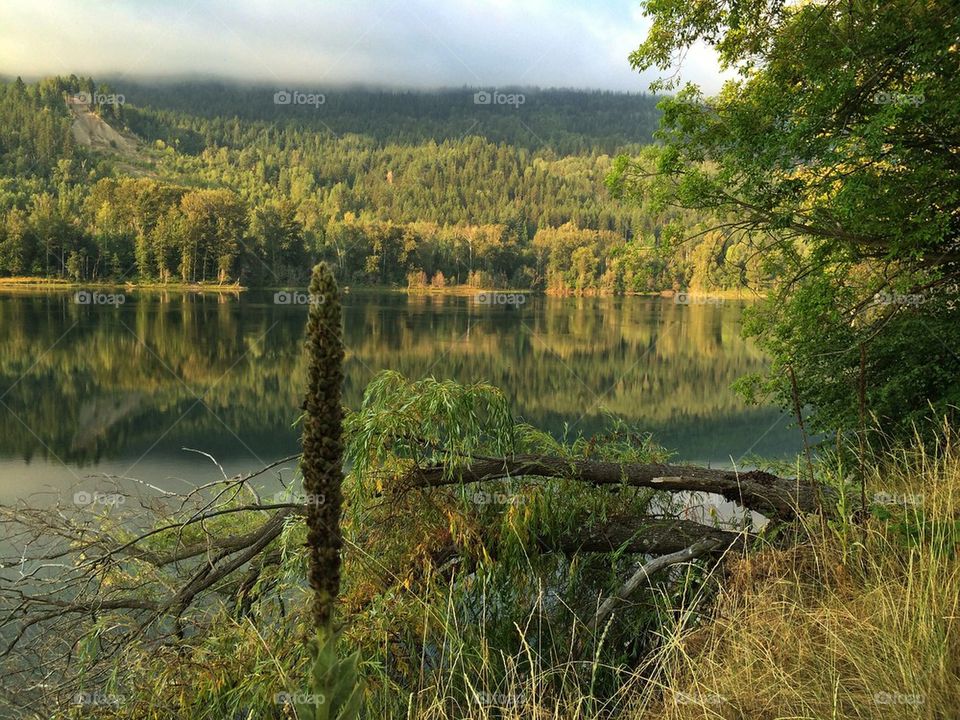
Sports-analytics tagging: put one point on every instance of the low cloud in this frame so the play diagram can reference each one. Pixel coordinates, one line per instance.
(409, 43)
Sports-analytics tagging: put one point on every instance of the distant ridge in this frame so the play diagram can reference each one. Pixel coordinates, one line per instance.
(567, 121)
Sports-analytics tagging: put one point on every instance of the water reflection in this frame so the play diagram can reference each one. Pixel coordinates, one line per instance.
(124, 388)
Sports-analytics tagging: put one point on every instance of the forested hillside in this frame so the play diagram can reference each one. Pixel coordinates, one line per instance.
(565, 121)
(230, 185)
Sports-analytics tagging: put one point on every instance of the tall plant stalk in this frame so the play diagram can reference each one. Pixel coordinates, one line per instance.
(322, 461)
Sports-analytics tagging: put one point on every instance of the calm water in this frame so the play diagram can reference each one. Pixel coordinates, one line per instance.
(122, 390)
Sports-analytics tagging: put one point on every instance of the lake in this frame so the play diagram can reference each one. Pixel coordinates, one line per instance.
(91, 390)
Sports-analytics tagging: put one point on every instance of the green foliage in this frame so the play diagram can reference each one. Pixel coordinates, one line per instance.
(831, 157)
(427, 422)
(503, 590)
(335, 683)
(910, 369)
(35, 127)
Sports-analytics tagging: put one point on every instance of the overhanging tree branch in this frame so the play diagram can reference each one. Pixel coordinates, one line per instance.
(756, 490)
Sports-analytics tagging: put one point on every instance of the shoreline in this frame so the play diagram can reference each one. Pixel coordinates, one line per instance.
(55, 284)
(32, 284)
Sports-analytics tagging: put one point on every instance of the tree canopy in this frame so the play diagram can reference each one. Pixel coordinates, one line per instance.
(834, 150)
(388, 188)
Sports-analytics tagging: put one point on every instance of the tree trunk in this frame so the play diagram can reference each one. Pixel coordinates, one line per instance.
(768, 494)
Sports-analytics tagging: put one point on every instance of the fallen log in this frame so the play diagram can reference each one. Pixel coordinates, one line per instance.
(768, 494)
(646, 535)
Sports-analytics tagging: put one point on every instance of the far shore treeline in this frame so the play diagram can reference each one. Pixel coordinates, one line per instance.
(216, 183)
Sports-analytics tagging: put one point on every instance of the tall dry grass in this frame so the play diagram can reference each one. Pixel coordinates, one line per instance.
(859, 619)
(856, 621)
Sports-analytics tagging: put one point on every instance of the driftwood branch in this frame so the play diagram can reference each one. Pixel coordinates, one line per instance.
(142, 565)
(767, 494)
(644, 573)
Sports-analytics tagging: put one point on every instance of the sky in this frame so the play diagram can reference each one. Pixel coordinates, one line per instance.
(397, 43)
